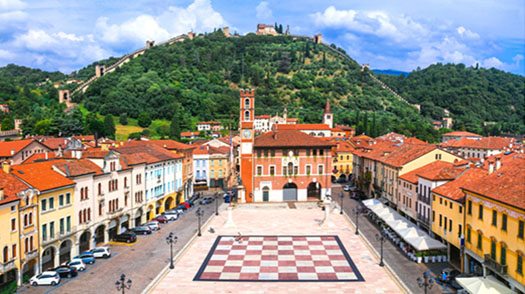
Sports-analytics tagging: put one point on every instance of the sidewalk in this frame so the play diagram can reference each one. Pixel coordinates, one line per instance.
(405, 269)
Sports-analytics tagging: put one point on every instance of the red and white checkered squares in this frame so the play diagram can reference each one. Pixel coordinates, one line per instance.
(278, 258)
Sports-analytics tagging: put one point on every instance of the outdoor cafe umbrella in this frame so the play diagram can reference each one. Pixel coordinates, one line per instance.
(480, 285)
(410, 233)
(371, 202)
(425, 243)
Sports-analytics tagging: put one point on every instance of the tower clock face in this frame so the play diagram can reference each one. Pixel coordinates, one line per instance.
(247, 134)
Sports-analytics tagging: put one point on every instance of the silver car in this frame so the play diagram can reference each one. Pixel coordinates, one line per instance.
(153, 225)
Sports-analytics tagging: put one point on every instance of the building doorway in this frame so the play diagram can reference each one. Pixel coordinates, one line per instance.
(266, 194)
(83, 244)
(290, 192)
(314, 191)
(65, 251)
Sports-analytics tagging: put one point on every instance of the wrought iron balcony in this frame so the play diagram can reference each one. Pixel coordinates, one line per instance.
(425, 199)
(495, 266)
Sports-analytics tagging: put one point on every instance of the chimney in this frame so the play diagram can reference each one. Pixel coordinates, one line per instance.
(498, 163)
(2, 193)
(6, 166)
(491, 167)
(46, 155)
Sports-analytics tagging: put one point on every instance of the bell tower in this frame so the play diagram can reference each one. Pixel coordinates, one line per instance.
(247, 113)
(328, 118)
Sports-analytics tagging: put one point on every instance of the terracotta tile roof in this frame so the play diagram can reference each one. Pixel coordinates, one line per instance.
(11, 186)
(413, 140)
(262, 117)
(209, 123)
(344, 147)
(292, 119)
(85, 138)
(7, 146)
(189, 134)
(405, 153)
(155, 152)
(507, 184)
(171, 144)
(289, 138)
(461, 134)
(302, 127)
(201, 150)
(492, 143)
(392, 137)
(137, 158)
(440, 171)
(54, 143)
(361, 141)
(41, 175)
(345, 128)
(79, 167)
(452, 189)
(95, 153)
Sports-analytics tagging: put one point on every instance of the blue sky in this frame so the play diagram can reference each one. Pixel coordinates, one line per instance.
(402, 35)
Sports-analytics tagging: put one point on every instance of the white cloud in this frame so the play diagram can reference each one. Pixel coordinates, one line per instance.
(492, 62)
(8, 5)
(137, 30)
(12, 16)
(466, 33)
(263, 11)
(4, 54)
(198, 17)
(379, 23)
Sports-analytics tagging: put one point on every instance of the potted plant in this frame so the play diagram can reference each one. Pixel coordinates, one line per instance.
(433, 257)
(444, 257)
(438, 257)
(425, 256)
(419, 257)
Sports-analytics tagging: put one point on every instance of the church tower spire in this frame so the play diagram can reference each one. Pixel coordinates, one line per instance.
(327, 116)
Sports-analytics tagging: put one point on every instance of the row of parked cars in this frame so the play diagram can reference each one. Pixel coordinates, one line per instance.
(71, 268)
(79, 263)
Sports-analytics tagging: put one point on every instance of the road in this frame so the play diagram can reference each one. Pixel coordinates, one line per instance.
(141, 262)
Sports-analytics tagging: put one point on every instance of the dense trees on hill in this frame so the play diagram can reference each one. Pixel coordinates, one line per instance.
(200, 80)
(472, 95)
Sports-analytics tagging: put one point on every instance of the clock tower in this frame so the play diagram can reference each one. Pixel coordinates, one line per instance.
(247, 138)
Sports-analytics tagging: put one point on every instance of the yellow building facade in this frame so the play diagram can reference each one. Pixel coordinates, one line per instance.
(9, 239)
(494, 239)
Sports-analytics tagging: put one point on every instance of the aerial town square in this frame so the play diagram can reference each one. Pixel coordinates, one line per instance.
(210, 146)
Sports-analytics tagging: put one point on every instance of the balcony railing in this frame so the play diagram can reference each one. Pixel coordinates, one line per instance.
(31, 254)
(7, 266)
(423, 219)
(425, 199)
(495, 266)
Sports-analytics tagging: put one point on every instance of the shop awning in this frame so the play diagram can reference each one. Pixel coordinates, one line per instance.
(479, 285)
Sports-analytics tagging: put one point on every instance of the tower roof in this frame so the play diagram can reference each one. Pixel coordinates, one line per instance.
(327, 108)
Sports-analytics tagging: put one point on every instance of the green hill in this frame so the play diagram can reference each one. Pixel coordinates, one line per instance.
(472, 95)
(200, 80)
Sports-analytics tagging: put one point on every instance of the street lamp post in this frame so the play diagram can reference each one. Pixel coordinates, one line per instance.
(122, 285)
(381, 238)
(342, 195)
(199, 213)
(425, 282)
(357, 212)
(171, 240)
(216, 203)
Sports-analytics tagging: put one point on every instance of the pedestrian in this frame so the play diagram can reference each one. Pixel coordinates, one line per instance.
(239, 238)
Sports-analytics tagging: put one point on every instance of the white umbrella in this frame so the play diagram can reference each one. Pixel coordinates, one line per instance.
(371, 202)
(408, 233)
(380, 210)
(425, 243)
(389, 217)
(480, 285)
(398, 225)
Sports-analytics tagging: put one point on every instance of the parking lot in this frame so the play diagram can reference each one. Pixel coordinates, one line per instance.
(141, 261)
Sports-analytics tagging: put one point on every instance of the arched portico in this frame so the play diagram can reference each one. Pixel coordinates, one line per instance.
(48, 258)
(290, 192)
(84, 242)
(314, 191)
(65, 251)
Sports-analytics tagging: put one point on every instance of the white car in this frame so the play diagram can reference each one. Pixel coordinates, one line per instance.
(77, 263)
(153, 225)
(45, 278)
(171, 215)
(101, 252)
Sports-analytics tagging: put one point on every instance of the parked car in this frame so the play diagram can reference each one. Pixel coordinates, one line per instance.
(185, 204)
(448, 274)
(101, 252)
(77, 263)
(87, 257)
(206, 200)
(181, 207)
(161, 219)
(153, 225)
(45, 278)
(229, 196)
(171, 215)
(128, 237)
(66, 271)
(141, 230)
(341, 180)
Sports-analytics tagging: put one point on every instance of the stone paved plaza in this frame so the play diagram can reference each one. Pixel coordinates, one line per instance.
(274, 221)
